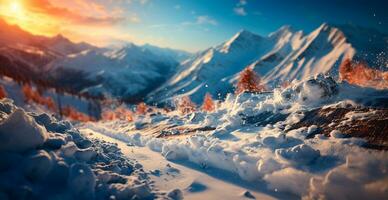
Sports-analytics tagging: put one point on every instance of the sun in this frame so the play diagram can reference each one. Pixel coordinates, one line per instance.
(16, 8)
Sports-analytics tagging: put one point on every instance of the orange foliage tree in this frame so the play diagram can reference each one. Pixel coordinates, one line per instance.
(185, 105)
(120, 113)
(208, 103)
(3, 93)
(249, 81)
(285, 84)
(32, 95)
(141, 108)
(74, 114)
(361, 74)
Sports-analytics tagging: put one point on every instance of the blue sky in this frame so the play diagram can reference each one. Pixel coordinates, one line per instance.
(199, 24)
(184, 24)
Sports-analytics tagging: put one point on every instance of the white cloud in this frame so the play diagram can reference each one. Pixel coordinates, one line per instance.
(242, 3)
(177, 7)
(204, 19)
(240, 11)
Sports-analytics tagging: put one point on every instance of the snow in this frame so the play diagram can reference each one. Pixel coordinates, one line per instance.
(120, 72)
(247, 148)
(183, 179)
(289, 180)
(82, 181)
(28, 134)
(285, 160)
(284, 55)
(39, 162)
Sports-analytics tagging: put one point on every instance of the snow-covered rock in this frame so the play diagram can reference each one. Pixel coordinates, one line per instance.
(82, 181)
(63, 164)
(37, 165)
(19, 132)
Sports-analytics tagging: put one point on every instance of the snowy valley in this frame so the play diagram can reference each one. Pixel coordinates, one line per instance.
(291, 115)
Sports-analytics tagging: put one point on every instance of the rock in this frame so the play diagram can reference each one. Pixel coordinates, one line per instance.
(6, 105)
(248, 195)
(175, 194)
(43, 119)
(336, 134)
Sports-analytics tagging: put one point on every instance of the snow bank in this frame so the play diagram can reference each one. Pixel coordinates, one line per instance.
(252, 138)
(19, 132)
(42, 158)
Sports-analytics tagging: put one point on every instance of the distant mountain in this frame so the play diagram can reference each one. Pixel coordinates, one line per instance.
(134, 72)
(127, 73)
(178, 55)
(13, 36)
(284, 55)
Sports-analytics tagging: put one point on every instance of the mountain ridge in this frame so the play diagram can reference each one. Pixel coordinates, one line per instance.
(283, 55)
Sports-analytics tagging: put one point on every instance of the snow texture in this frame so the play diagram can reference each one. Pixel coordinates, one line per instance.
(252, 139)
(42, 158)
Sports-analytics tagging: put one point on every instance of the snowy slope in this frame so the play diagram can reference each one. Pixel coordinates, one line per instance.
(126, 72)
(43, 158)
(306, 141)
(284, 55)
(175, 54)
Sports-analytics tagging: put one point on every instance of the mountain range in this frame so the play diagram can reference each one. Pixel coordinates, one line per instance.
(282, 56)
(128, 72)
(137, 72)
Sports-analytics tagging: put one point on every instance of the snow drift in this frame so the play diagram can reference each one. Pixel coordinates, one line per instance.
(253, 136)
(42, 158)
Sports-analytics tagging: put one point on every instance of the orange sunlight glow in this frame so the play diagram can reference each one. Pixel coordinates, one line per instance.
(16, 8)
(18, 12)
(80, 20)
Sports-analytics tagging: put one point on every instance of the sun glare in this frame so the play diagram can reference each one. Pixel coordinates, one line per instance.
(16, 8)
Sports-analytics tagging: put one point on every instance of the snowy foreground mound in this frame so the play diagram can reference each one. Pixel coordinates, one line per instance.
(42, 158)
(254, 136)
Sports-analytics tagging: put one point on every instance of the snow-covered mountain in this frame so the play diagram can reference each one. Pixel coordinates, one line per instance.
(178, 55)
(284, 55)
(129, 72)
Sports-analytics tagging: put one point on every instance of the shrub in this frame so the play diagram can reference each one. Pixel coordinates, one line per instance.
(359, 73)
(249, 81)
(208, 104)
(185, 105)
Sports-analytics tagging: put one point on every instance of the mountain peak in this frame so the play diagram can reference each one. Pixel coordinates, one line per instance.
(243, 38)
(61, 38)
(324, 27)
(245, 34)
(281, 31)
